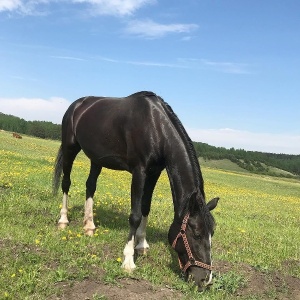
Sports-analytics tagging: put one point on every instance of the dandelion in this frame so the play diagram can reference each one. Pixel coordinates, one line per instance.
(64, 238)
(78, 235)
(13, 275)
(119, 259)
(37, 242)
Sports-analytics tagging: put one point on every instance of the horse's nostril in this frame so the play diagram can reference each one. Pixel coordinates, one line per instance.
(200, 288)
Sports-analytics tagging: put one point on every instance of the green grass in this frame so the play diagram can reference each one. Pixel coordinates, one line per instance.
(258, 225)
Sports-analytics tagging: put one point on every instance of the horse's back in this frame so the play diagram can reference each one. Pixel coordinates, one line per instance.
(119, 133)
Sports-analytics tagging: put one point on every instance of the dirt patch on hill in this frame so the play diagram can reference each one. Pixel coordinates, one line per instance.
(257, 283)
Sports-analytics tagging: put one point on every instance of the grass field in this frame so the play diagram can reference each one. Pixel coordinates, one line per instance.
(256, 247)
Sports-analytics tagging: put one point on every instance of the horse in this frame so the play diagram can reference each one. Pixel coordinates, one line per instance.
(140, 134)
(16, 135)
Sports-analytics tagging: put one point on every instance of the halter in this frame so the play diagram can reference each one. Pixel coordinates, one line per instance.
(192, 261)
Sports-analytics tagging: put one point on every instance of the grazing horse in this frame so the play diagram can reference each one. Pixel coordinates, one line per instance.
(16, 135)
(142, 135)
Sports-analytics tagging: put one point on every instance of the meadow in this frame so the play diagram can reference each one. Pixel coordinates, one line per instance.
(256, 246)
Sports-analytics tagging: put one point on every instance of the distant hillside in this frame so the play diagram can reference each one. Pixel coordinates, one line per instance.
(257, 162)
(41, 129)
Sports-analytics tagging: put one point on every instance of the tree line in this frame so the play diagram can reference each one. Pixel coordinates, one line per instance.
(253, 161)
(41, 129)
(258, 162)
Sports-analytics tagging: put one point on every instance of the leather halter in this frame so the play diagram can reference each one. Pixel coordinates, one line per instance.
(192, 261)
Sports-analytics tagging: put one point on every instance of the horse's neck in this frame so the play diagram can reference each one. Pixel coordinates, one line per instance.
(182, 176)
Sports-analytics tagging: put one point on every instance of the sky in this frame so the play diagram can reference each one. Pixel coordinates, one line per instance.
(229, 69)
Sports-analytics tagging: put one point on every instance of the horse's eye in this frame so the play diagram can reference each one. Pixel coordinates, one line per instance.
(197, 236)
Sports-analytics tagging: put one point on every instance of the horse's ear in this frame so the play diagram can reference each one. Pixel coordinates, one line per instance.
(212, 203)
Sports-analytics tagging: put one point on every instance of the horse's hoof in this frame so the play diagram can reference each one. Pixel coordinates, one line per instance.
(62, 226)
(89, 232)
(141, 251)
(128, 267)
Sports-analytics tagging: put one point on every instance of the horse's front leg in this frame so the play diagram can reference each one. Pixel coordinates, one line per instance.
(91, 183)
(137, 186)
(141, 243)
(134, 221)
(142, 246)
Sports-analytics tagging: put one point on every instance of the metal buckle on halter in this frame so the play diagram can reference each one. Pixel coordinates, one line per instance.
(192, 261)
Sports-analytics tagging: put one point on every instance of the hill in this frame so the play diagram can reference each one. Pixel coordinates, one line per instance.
(256, 162)
(285, 165)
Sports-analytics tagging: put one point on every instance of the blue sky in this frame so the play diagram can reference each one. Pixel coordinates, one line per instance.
(229, 69)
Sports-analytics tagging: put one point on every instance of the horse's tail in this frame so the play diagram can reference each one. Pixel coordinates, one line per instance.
(57, 171)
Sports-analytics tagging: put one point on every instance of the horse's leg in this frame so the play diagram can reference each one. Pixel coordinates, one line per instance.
(137, 188)
(68, 159)
(91, 183)
(142, 246)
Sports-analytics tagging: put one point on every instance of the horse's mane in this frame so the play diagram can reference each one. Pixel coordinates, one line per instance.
(195, 202)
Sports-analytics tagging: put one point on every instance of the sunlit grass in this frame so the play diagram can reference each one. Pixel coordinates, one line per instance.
(257, 223)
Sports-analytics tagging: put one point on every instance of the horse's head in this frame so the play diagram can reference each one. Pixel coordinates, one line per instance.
(191, 239)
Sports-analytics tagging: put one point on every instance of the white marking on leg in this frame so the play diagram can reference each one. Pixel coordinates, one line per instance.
(142, 245)
(128, 263)
(63, 221)
(210, 274)
(89, 226)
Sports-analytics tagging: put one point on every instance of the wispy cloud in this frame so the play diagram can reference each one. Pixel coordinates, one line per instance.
(96, 7)
(180, 63)
(150, 29)
(68, 58)
(238, 139)
(115, 7)
(227, 67)
(224, 67)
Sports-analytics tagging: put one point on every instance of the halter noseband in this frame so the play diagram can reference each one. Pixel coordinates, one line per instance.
(192, 261)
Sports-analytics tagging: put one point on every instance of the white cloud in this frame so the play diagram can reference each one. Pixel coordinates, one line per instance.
(115, 7)
(101, 7)
(150, 29)
(38, 109)
(264, 142)
(68, 58)
(10, 5)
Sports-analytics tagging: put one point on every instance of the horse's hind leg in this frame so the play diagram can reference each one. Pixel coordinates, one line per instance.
(69, 155)
(89, 226)
(141, 243)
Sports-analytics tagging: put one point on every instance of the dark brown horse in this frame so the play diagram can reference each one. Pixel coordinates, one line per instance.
(142, 135)
(16, 135)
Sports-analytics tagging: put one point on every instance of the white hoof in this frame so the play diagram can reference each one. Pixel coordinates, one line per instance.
(62, 226)
(89, 232)
(128, 265)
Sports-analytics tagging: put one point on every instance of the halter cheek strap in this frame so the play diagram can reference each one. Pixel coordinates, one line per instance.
(191, 261)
